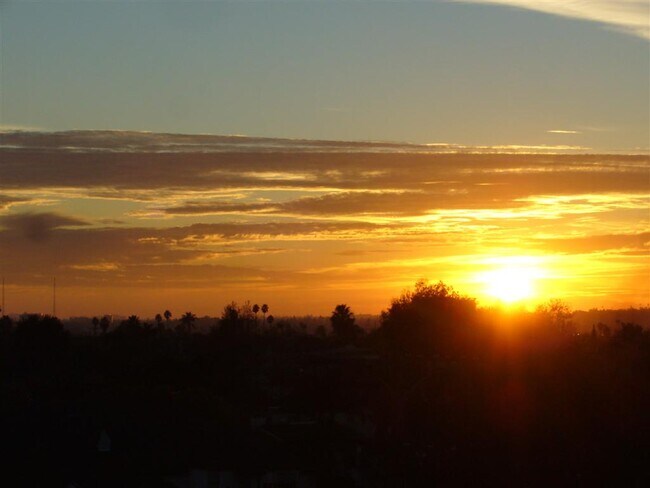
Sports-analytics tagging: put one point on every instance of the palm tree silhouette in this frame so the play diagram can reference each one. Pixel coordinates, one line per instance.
(256, 308)
(187, 321)
(133, 320)
(265, 309)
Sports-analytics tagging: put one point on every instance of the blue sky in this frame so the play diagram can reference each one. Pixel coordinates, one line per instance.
(477, 74)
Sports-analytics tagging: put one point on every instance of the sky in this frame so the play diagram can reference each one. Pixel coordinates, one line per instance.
(479, 73)
(184, 154)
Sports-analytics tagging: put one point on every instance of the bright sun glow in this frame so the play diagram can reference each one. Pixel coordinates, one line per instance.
(509, 284)
(511, 280)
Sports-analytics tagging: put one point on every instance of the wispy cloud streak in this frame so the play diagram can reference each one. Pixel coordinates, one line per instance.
(631, 16)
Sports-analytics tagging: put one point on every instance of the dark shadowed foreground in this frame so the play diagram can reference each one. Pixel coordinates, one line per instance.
(441, 393)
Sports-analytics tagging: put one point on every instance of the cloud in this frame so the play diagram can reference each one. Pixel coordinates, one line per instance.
(51, 165)
(111, 221)
(100, 266)
(284, 215)
(17, 128)
(358, 203)
(481, 189)
(129, 142)
(7, 201)
(73, 243)
(639, 243)
(563, 131)
(631, 16)
(38, 226)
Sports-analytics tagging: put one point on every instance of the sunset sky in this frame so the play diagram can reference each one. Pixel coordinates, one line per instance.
(184, 154)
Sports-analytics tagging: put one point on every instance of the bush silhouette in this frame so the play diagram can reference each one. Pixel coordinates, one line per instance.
(431, 318)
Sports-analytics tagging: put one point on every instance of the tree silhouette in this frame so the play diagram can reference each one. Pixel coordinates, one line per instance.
(603, 330)
(158, 320)
(558, 314)
(6, 324)
(265, 309)
(133, 321)
(270, 319)
(256, 309)
(247, 316)
(168, 315)
(129, 327)
(187, 322)
(237, 319)
(630, 332)
(343, 324)
(105, 322)
(431, 318)
(95, 322)
(41, 338)
(230, 312)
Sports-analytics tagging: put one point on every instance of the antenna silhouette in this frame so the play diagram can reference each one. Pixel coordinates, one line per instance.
(54, 297)
(4, 312)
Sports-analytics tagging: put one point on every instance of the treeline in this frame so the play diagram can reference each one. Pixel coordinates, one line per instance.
(441, 391)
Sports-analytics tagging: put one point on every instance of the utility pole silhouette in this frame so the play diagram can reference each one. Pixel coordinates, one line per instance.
(4, 312)
(54, 297)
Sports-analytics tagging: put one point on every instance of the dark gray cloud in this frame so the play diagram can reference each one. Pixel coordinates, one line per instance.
(38, 226)
(354, 203)
(98, 141)
(42, 160)
(28, 169)
(111, 221)
(220, 207)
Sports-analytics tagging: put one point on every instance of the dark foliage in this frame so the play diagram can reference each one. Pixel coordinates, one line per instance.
(442, 393)
(343, 323)
(430, 319)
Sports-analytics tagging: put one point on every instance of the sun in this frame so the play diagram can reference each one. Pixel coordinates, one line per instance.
(511, 280)
(509, 284)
